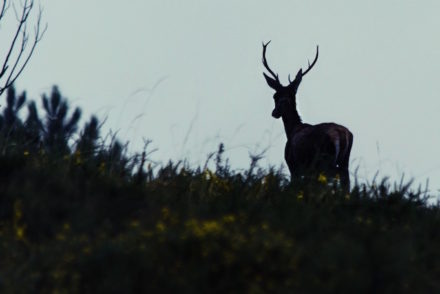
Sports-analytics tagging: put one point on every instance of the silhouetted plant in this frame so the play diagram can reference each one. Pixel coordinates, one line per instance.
(58, 128)
(11, 126)
(88, 141)
(33, 128)
(140, 160)
(9, 119)
(114, 158)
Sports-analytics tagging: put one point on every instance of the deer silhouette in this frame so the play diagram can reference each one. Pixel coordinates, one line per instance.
(310, 149)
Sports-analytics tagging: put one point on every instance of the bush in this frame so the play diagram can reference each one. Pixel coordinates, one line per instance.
(84, 217)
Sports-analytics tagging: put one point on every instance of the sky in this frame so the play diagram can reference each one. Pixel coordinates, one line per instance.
(188, 75)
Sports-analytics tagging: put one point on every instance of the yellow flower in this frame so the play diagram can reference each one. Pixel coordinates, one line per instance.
(229, 218)
(160, 226)
(322, 178)
(201, 229)
(211, 227)
(300, 195)
(19, 232)
(26, 153)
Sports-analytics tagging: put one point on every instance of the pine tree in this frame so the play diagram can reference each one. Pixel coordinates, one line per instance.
(58, 128)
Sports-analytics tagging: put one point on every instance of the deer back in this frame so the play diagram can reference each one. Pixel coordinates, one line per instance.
(318, 146)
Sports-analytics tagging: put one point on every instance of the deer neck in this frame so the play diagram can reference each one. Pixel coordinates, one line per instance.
(291, 120)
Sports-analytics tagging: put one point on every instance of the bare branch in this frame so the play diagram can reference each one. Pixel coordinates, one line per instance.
(38, 36)
(12, 69)
(3, 8)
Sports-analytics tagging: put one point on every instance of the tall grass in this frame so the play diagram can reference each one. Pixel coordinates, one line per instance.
(81, 216)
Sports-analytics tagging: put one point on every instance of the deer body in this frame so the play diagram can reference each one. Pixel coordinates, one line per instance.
(310, 149)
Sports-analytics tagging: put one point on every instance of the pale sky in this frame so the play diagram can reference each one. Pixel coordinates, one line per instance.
(188, 75)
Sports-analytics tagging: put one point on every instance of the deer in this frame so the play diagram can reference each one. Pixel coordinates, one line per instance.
(311, 150)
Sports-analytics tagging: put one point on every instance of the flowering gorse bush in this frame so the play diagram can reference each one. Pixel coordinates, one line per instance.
(81, 216)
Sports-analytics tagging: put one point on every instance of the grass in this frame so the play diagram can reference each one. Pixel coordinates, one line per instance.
(86, 218)
(67, 226)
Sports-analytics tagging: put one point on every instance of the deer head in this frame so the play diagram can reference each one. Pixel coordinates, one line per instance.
(284, 95)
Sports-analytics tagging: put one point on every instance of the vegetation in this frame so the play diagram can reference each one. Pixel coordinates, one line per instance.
(79, 215)
(21, 44)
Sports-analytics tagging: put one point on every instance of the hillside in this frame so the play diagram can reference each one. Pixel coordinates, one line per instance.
(80, 215)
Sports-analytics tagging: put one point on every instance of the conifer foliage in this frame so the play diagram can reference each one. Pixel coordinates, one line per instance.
(50, 133)
(58, 127)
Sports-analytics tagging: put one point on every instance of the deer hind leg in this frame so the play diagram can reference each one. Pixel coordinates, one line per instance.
(343, 164)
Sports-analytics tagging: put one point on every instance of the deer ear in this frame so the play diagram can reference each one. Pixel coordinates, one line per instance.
(295, 83)
(274, 84)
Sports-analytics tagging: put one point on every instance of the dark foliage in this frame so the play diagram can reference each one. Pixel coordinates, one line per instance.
(58, 128)
(81, 216)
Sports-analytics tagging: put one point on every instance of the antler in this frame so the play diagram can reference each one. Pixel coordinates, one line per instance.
(313, 63)
(275, 76)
